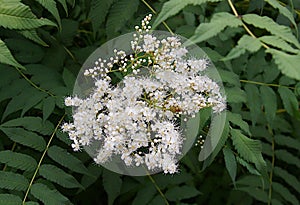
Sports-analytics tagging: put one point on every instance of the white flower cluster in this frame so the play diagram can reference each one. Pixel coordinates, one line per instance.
(137, 119)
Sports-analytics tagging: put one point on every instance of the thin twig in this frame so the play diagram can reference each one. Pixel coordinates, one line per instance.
(157, 188)
(153, 11)
(42, 157)
(32, 83)
(244, 25)
(265, 84)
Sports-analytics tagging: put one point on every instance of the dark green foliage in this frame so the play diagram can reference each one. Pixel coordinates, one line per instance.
(43, 44)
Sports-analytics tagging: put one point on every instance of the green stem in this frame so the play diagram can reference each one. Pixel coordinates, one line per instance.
(157, 188)
(244, 25)
(153, 11)
(265, 84)
(272, 168)
(41, 159)
(32, 83)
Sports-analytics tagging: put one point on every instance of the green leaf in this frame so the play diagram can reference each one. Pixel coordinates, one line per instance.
(221, 142)
(67, 160)
(32, 35)
(249, 149)
(251, 181)
(229, 77)
(183, 192)
(287, 157)
(285, 193)
(6, 56)
(246, 43)
(248, 166)
(112, 184)
(12, 181)
(284, 11)
(287, 141)
(267, 23)
(18, 160)
(289, 100)
(288, 178)
(35, 124)
(50, 5)
(230, 163)
(172, 7)
(119, 14)
(235, 95)
(57, 175)
(64, 4)
(9, 199)
(287, 64)
(46, 195)
(254, 101)
(19, 16)
(144, 194)
(257, 194)
(269, 101)
(217, 24)
(48, 107)
(25, 137)
(98, 12)
(278, 42)
(237, 120)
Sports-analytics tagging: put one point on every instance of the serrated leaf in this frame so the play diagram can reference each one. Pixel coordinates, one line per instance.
(46, 195)
(119, 14)
(284, 11)
(50, 5)
(33, 101)
(6, 57)
(172, 7)
(287, 64)
(288, 178)
(230, 163)
(287, 157)
(267, 23)
(287, 141)
(9, 199)
(183, 192)
(245, 43)
(48, 107)
(248, 166)
(249, 149)
(57, 175)
(67, 160)
(19, 16)
(32, 35)
(251, 181)
(254, 101)
(35, 124)
(25, 137)
(217, 24)
(278, 42)
(112, 184)
(285, 193)
(235, 95)
(12, 181)
(237, 120)
(269, 101)
(18, 160)
(289, 101)
(98, 12)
